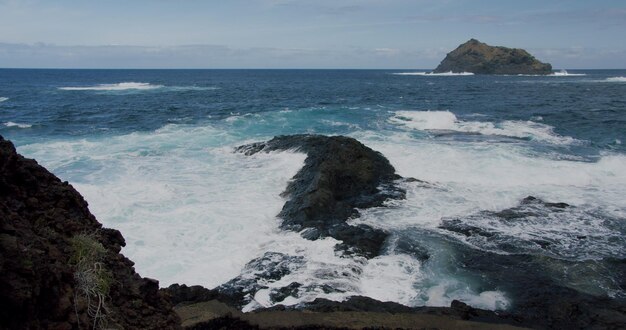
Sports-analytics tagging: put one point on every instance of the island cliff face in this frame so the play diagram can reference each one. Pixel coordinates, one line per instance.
(479, 58)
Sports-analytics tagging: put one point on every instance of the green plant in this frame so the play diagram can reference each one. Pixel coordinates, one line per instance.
(93, 280)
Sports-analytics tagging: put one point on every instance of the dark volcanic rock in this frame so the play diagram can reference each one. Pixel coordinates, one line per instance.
(538, 296)
(480, 58)
(49, 244)
(340, 175)
(546, 290)
(181, 294)
(272, 266)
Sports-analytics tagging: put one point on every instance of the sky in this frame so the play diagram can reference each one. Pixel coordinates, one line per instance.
(376, 34)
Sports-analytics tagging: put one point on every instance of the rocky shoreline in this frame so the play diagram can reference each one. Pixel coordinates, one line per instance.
(60, 269)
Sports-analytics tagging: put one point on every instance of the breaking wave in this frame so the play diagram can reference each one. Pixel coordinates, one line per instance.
(136, 86)
(450, 73)
(564, 73)
(447, 121)
(18, 125)
(616, 79)
(114, 87)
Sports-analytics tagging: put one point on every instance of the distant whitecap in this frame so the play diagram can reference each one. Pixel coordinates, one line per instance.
(114, 87)
(433, 74)
(616, 79)
(2, 99)
(18, 125)
(137, 86)
(564, 73)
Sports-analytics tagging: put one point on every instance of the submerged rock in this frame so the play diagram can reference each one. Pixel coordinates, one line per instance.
(340, 176)
(535, 226)
(59, 268)
(271, 267)
(480, 58)
(542, 297)
(550, 281)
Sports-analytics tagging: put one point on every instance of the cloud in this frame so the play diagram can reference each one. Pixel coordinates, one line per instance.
(606, 16)
(609, 16)
(319, 7)
(42, 55)
(198, 56)
(485, 19)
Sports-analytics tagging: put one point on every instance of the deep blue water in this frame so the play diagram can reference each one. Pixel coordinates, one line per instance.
(151, 151)
(588, 108)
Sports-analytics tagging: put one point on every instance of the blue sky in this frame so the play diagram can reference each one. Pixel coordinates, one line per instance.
(303, 34)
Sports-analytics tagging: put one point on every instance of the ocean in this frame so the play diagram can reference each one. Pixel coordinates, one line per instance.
(152, 153)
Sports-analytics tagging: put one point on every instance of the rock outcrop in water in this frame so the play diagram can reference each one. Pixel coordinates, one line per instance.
(59, 269)
(340, 175)
(480, 58)
(548, 291)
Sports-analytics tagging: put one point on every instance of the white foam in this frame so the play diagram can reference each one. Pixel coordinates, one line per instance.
(2, 99)
(473, 177)
(616, 79)
(18, 125)
(447, 121)
(564, 73)
(191, 210)
(387, 278)
(441, 74)
(194, 212)
(192, 88)
(130, 86)
(114, 87)
(445, 292)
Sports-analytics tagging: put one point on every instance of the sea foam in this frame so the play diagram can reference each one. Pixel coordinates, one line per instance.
(441, 74)
(194, 212)
(18, 125)
(447, 121)
(465, 179)
(616, 79)
(137, 86)
(185, 202)
(564, 73)
(2, 99)
(114, 87)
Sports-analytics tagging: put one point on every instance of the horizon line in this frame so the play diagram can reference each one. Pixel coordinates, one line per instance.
(253, 68)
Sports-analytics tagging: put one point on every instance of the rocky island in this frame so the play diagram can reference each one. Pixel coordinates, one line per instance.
(479, 58)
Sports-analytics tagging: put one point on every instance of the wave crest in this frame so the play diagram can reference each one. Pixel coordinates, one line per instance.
(447, 121)
(564, 73)
(442, 74)
(616, 79)
(137, 86)
(114, 87)
(2, 99)
(18, 125)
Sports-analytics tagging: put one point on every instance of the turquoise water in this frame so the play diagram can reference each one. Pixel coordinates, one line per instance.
(151, 151)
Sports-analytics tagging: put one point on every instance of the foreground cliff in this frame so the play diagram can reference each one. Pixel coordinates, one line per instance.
(480, 58)
(59, 269)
